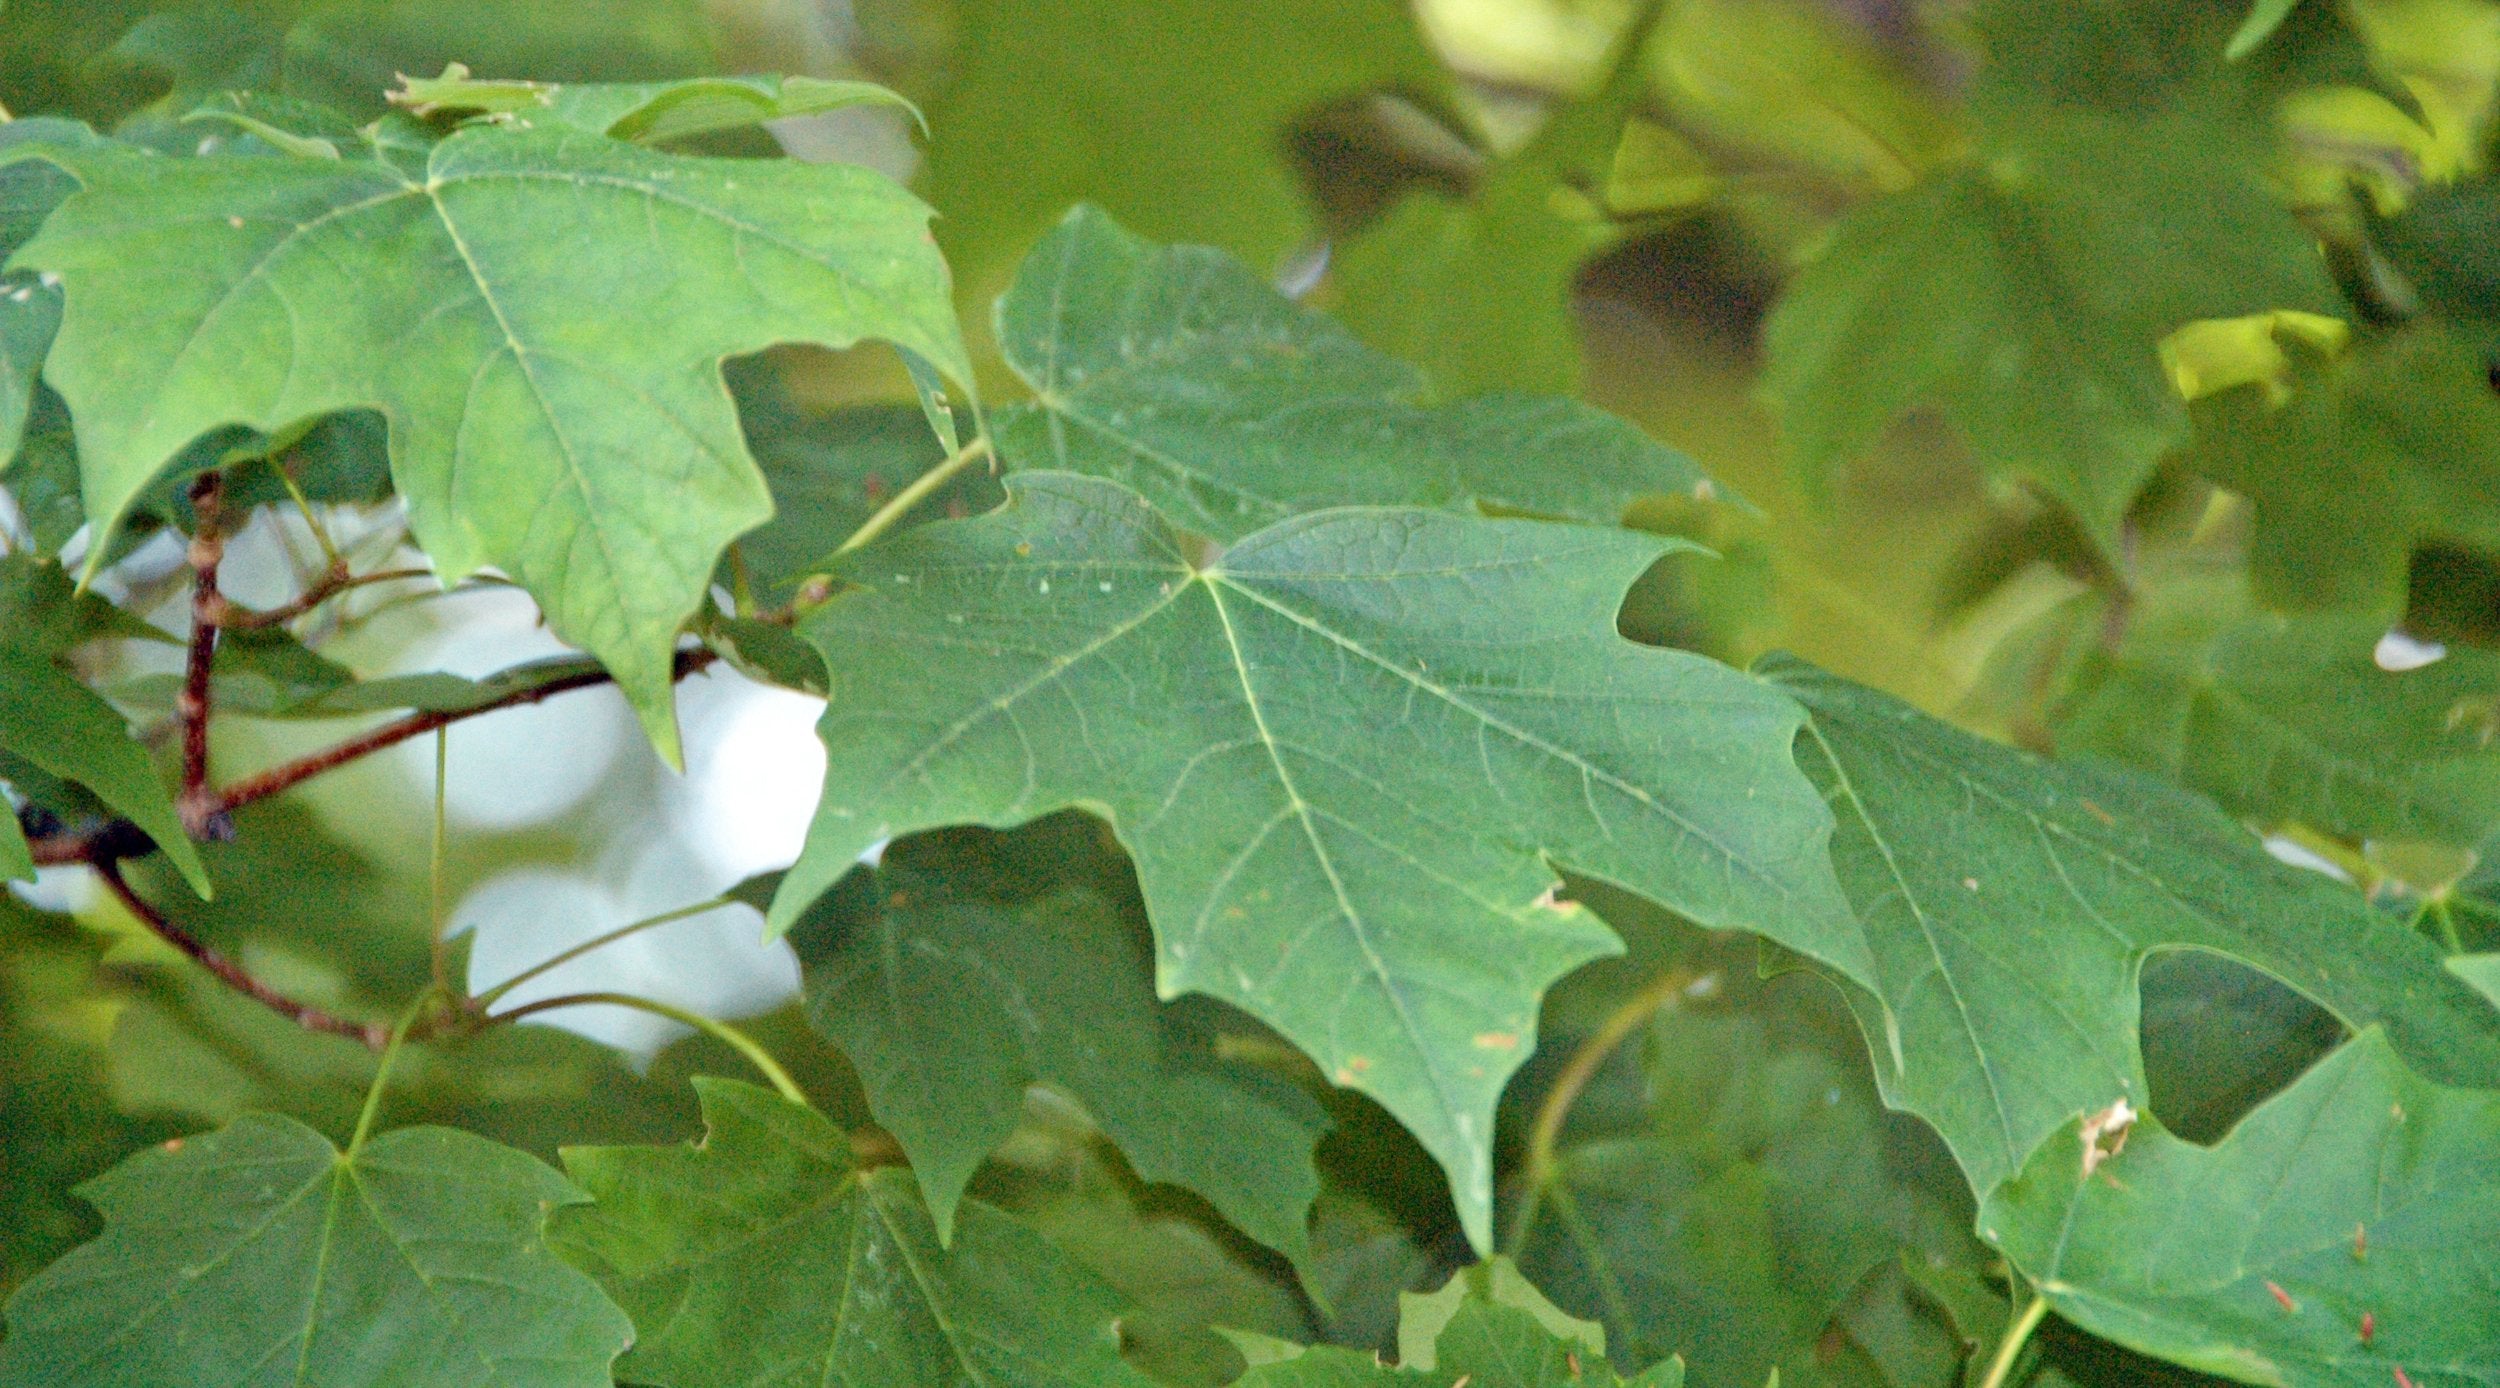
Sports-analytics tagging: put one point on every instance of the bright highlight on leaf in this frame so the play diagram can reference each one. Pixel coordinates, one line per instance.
(1343, 763)
(539, 314)
(763, 1254)
(2363, 1205)
(260, 1253)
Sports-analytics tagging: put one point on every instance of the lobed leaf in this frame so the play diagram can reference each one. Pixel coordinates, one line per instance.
(417, 1261)
(1346, 757)
(2290, 718)
(2009, 904)
(542, 421)
(1175, 371)
(2341, 1235)
(763, 1254)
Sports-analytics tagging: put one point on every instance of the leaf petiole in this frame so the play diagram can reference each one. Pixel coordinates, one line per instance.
(713, 1027)
(495, 994)
(902, 502)
(382, 1071)
(2010, 1349)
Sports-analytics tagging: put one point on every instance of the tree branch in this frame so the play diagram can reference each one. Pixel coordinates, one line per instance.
(287, 775)
(119, 838)
(372, 1035)
(201, 818)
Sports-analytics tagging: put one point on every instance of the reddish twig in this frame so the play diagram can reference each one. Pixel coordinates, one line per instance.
(288, 775)
(233, 616)
(119, 838)
(200, 817)
(372, 1035)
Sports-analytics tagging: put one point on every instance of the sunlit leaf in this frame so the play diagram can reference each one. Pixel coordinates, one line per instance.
(576, 437)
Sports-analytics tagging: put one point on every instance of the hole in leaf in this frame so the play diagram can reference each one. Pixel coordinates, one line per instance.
(2220, 1038)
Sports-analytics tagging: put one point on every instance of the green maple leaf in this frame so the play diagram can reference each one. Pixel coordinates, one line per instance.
(950, 1002)
(763, 1254)
(2361, 1191)
(2009, 904)
(52, 722)
(261, 1249)
(2285, 718)
(539, 314)
(2025, 296)
(1177, 372)
(1342, 756)
(1175, 119)
(2388, 445)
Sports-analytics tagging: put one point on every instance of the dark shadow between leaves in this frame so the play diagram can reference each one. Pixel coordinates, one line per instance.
(2220, 1038)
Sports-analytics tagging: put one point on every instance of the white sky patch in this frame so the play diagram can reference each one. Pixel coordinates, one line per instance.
(522, 766)
(2397, 653)
(753, 772)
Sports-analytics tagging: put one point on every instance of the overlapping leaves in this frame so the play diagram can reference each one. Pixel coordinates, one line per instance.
(55, 725)
(1339, 756)
(1177, 372)
(540, 421)
(2008, 904)
(765, 1255)
(2286, 718)
(950, 1000)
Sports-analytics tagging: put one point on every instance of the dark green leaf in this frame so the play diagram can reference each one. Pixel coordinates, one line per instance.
(951, 1003)
(416, 1261)
(829, 471)
(575, 436)
(2009, 904)
(2339, 1236)
(764, 1254)
(1342, 756)
(1745, 1190)
(1176, 371)
(1480, 1334)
